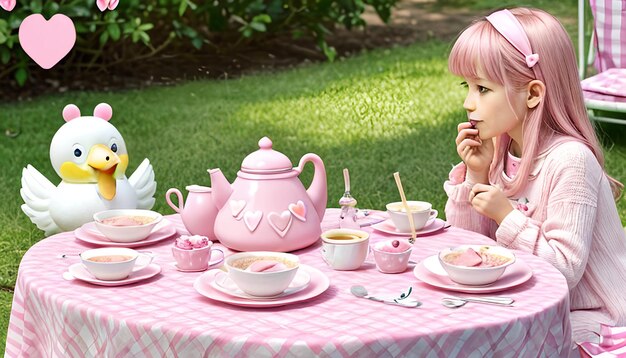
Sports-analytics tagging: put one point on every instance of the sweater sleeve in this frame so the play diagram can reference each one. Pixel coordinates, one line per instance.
(564, 238)
(459, 210)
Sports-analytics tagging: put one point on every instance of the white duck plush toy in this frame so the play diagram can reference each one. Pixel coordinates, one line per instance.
(89, 154)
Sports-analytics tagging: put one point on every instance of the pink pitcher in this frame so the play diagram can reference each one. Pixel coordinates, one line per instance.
(198, 212)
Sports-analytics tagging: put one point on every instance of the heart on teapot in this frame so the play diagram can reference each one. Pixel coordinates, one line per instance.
(236, 206)
(280, 222)
(252, 219)
(298, 210)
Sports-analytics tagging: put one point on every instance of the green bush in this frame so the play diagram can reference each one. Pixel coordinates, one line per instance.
(139, 29)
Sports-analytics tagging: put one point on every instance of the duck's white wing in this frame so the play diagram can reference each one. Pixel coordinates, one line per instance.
(144, 184)
(36, 192)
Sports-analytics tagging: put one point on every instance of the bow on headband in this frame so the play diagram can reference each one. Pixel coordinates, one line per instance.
(510, 28)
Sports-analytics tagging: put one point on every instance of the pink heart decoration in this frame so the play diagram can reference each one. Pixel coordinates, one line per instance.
(280, 222)
(236, 206)
(104, 4)
(47, 42)
(298, 210)
(252, 219)
(8, 5)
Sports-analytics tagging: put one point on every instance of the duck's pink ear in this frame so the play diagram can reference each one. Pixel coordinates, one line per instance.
(70, 112)
(104, 111)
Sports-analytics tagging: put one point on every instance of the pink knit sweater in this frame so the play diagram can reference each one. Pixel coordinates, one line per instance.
(566, 215)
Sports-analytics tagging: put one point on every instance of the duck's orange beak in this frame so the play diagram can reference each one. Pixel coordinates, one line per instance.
(104, 162)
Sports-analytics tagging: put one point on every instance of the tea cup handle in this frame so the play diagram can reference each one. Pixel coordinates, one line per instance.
(433, 214)
(150, 257)
(177, 208)
(222, 252)
(325, 253)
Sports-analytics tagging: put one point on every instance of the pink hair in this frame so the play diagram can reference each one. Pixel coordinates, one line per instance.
(560, 114)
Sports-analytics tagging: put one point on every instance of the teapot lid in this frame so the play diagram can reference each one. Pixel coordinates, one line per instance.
(266, 160)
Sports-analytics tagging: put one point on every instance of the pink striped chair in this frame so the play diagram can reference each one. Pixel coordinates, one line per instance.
(605, 92)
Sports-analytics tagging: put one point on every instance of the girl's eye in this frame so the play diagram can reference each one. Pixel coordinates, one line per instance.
(482, 89)
(464, 84)
(114, 148)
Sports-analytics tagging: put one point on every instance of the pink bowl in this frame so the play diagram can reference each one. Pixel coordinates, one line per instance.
(391, 262)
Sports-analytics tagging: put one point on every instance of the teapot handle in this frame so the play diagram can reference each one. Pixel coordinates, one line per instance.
(317, 190)
(177, 208)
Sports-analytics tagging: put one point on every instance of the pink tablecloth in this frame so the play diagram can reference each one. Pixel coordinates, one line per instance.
(165, 317)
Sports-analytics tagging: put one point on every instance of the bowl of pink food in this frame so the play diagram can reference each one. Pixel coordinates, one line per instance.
(126, 225)
(262, 273)
(476, 265)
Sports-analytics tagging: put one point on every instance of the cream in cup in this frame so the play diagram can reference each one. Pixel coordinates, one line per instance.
(345, 249)
(422, 213)
(114, 263)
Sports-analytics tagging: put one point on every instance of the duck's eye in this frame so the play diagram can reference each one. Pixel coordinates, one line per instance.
(77, 153)
(114, 148)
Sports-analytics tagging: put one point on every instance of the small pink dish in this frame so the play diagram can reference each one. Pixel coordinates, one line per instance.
(79, 272)
(390, 262)
(195, 259)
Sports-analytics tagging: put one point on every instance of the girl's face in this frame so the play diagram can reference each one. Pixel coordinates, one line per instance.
(488, 106)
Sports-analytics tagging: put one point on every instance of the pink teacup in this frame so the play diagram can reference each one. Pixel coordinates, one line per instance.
(391, 262)
(195, 259)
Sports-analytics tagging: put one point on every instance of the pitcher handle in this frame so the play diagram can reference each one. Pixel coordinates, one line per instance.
(177, 208)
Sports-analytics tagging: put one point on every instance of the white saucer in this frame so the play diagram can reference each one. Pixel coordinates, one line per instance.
(211, 263)
(224, 284)
(388, 227)
(432, 273)
(319, 284)
(79, 272)
(89, 233)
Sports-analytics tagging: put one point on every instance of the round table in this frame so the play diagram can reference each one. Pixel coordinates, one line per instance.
(165, 317)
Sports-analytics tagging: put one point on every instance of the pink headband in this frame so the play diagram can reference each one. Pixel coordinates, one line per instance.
(508, 26)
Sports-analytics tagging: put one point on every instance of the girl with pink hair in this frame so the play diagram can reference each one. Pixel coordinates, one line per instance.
(532, 173)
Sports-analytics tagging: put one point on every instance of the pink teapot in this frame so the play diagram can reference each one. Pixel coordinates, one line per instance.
(267, 208)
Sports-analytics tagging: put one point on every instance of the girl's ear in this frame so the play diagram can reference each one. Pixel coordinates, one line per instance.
(536, 91)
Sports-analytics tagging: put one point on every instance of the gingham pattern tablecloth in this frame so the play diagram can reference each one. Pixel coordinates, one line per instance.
(165, 317)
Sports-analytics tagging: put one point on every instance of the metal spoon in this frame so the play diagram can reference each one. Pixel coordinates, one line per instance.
(456, 302)
(360, 291)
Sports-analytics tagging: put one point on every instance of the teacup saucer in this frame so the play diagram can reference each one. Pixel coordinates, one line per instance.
(388, 227)
(211, 263)
(89, 233)
(224, 284)
(79, 272)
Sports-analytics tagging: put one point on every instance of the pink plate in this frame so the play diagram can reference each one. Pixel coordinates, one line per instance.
(80, 272)
(388, 227)
(89, 233)
(430, 272)
(318, 284)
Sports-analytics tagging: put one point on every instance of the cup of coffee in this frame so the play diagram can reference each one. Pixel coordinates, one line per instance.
(421, 211)
(262, 273)
(345, 249)
(114, 263)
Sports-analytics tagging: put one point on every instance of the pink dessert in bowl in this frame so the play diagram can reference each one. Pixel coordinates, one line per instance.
(126, 225)
(262, 273)
(193, 253)
(392, 256)
(476, 265)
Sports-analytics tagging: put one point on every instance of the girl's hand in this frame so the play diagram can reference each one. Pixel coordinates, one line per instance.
(475, 153)
(490, 201)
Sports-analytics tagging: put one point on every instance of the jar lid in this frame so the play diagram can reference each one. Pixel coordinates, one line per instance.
(266, 160)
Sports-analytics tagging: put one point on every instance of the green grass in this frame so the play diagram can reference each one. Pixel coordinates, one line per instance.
(386, 111)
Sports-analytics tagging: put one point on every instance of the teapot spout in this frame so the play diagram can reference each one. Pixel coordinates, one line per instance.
(220, 187)
(317, 190)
